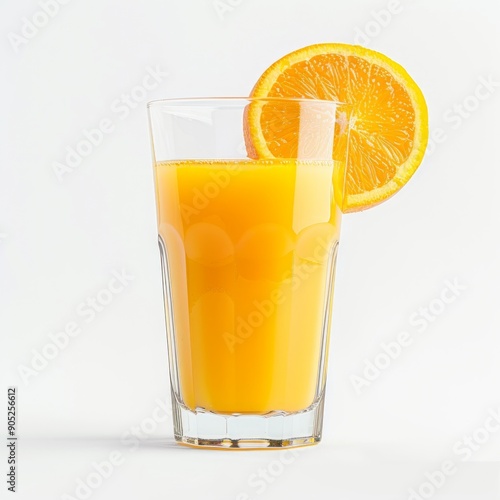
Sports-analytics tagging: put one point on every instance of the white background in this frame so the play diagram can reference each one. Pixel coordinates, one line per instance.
(61, 240)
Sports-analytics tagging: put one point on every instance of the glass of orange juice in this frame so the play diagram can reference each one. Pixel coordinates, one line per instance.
(249, 197)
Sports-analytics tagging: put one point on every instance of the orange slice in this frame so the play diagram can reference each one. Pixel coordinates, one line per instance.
(388, 127)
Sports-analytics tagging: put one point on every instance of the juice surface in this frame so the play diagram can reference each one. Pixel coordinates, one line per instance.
(249, 245)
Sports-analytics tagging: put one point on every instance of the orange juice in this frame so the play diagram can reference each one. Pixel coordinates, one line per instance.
(249, 246)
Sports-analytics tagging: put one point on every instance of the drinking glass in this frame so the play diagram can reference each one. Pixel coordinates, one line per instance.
(249, 196)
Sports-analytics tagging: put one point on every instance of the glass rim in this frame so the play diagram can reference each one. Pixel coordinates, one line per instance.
(179, 101)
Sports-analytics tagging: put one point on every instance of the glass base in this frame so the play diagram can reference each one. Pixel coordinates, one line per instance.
(278, 429)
